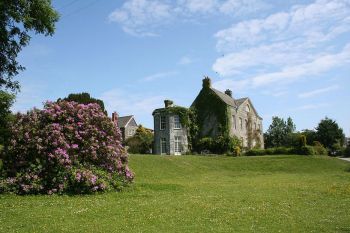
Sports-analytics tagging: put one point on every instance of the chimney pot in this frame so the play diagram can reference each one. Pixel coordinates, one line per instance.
(168, 103)
(228, 92)
(206, 82)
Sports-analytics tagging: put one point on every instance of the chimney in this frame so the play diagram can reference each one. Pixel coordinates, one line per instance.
(228, 92)
(206, 82)
(115, 117)
(168, 103)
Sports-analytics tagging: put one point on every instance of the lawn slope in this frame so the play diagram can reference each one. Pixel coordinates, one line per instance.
(200, 194)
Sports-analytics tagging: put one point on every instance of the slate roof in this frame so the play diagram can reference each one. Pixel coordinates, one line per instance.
(240, 101)
(230, 101)
(227, 99)
(123, 121)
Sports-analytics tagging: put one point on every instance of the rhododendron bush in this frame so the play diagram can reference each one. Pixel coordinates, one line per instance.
(66, 147)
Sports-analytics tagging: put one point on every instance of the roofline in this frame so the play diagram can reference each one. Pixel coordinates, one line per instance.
(131, 117)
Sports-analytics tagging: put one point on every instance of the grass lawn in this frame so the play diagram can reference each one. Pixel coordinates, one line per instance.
(200, 194)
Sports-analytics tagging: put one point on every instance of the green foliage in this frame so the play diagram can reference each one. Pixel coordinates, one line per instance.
(17, 20)
(319, 148)
(208, 104)
(311, 136)
(347, 151)
(218, 145)
(271, 151)
(306, 150)
(277, 134)
(302, 141)
(85, 98)
(330, 135)
(188, 119)
(237, 151)
(141, 142)
(6, 101)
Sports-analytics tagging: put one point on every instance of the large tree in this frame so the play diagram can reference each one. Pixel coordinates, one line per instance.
(278, 132)
(85, 98)
(6, 101)
(330, 134)
(17, 19)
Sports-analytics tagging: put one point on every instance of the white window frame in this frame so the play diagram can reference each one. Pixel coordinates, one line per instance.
(177, 123)
(163, 145)
(177, 145)
(162, 122)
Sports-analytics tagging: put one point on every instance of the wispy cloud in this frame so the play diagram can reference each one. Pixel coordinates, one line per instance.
(286, 45)
(143, 17)
(159, 75)
(30, 96)
(129, 103)
(318, 91)
(185, 60)
(311, 106)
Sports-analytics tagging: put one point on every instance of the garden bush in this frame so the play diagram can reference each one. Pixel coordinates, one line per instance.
(218, 145)
(306, 150)
(66, 147)
(319, 148)
(347, 152)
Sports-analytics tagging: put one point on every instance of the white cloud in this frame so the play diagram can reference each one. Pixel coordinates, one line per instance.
(136, 14)
(129, 103)
(311, 106)
(143, 17)
(318, 91)
(185, 60)
(29, 97)
(286, 46)
(159, 75)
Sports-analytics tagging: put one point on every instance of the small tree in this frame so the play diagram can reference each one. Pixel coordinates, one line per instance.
(141, 142)
(277, 134)
(330, 135)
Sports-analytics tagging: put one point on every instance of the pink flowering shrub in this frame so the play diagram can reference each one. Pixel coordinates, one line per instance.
(66, 147)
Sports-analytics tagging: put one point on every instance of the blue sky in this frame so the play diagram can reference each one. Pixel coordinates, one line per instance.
(291, 57)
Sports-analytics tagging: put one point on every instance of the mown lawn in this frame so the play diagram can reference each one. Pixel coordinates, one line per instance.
(200, 194)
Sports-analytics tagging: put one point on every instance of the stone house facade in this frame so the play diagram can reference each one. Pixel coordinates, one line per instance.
(126, 124)
(218, 113)
(170, 137)
(239, 116)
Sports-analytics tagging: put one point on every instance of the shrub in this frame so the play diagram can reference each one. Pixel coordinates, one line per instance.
(347, 152)
(218, 145)
(307, 150)
(66, 147)
(302, 141)
(141, 142)
(237, 151)
(319, 148)
(255, 152)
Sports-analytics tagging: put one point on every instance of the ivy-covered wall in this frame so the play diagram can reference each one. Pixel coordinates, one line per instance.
(213, 115)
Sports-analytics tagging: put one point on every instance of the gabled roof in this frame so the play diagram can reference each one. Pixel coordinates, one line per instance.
(240, 101)
(123, 121)
(227, 99)
(232, 102)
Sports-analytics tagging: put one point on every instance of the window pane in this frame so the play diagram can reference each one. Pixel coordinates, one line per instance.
(177, 124)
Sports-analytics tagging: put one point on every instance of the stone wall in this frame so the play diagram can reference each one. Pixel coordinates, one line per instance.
(168, 133)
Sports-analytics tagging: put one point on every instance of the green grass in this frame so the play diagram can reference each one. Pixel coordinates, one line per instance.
(200, 194)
